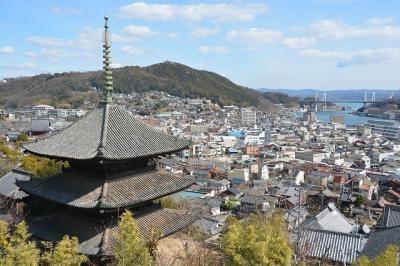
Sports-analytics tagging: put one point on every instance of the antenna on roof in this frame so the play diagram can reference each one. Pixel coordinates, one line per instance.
(108, 80)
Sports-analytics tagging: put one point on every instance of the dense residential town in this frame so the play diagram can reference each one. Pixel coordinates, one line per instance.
(165, 171)
(333, 183)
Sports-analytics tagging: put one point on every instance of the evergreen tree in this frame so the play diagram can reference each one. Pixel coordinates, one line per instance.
(130, 248)
(387, 258)
(43, 167)
(257, 240)
(66, 252)
(15, 247)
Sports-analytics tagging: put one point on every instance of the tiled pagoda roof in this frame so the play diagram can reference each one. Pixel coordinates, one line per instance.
(99, 239)
(108, 132)
(118, 192)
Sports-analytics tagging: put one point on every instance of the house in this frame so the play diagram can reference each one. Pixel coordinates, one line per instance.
(263, 172)
(251, 150)
(338, 183)
(169, 165)
(319, 179)
(380, 239)
(214, 204)
(330, 219)
(365, 186)
(391, 216)
(40, 126)
(12, 136)
(8, 186)
(254, 204)
(231, 194)
(298, 177)
(10, 193)
(335, 247)
(310, 156)
(392, 196)
(295, 216)
(239, 173)
(208, 226)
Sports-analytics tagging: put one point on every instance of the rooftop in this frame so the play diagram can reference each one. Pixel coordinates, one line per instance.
(108, 132)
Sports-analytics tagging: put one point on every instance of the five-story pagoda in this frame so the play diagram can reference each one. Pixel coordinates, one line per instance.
(111, 170)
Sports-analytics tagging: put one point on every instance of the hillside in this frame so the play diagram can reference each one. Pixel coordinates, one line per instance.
(70, 89)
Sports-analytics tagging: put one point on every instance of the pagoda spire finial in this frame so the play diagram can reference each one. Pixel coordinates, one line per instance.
(108, 80)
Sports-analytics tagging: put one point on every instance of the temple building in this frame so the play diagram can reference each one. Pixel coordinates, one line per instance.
(112, 169)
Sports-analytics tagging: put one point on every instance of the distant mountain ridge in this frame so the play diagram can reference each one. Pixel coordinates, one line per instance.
(338, 95)
(173, 78)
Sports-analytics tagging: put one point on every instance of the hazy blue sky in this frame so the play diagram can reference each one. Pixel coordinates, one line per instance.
(326, 44)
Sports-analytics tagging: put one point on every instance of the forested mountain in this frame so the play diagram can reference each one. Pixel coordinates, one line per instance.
(70, 89)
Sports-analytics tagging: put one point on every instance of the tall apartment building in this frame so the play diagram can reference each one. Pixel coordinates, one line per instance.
(249, 117)
(388, 129)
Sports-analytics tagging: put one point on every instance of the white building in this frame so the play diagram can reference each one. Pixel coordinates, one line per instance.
(388, 129)
(254, 138)
(249, 117)
(42, 109)
(242, 173)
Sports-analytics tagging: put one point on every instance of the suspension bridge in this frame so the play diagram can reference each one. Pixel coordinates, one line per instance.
(324, 100)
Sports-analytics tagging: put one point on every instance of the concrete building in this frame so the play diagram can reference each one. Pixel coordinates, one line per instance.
(249, 117)
(388, 129)
(310, 156)
(42, 109)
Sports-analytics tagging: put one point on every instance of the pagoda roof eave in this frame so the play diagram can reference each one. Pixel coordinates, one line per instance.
(109, 132)
(109, 194)
(97, 238)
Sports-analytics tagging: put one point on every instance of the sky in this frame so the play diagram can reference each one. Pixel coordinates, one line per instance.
(322, 44)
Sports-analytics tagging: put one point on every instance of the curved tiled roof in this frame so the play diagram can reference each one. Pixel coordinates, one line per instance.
(85, 192)
(379, 240)
(335, 246)
(108, 132)
(98, 238)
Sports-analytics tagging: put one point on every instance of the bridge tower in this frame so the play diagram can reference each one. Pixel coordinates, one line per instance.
(324, 100)
(316, 101)
(373, 97)
(365, 99)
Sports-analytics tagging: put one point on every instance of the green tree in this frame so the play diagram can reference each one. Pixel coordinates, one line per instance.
(66, 252)
(387, 258)
(168, 202)
(130, 248)
(42, 167)
(23, 137)
(359, 200)
(229, 205)
(15, 247)
(257, 240)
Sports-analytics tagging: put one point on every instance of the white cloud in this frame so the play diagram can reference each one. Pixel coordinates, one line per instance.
(172, 35)
(23, 66)
(322, 54)
(64, 10)
(193, 12)
(256, 36)
(47, 53)
(204, 32)
(205, 49)
(116, 65)
(87, 38)
(131, 50)
(7, 50)
(336, 29)
(359, 57)
(298, 42)
(380, 21)
(46, 41)
(139, 31)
